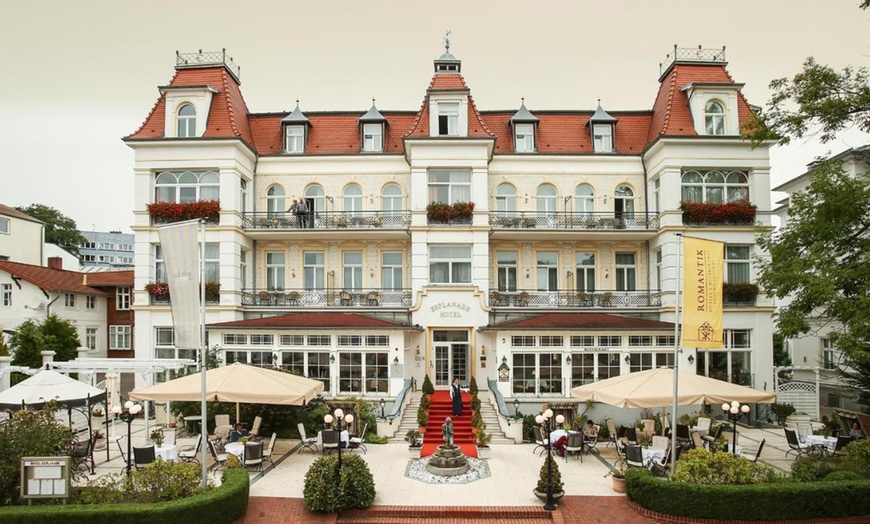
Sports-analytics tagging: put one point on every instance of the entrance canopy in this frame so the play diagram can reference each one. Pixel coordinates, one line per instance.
(655, 388)
(50, 385)
(236, 383)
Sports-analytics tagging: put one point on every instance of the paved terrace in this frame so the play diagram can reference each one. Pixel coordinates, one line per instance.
(277, 491)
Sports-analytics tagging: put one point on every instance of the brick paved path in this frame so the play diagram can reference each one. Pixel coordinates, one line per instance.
(574, 510)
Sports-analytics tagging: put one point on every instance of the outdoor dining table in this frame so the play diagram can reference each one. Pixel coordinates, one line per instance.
(236, 448)
(827, 444)
(556, 434)
(653, 455)
(167, 452)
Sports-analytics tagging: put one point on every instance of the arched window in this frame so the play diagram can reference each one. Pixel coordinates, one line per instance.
(353, 200)
(623, 202)
(714, 117)
(186, 186)
(316, 201)
(391, 200)
(275, 203)
(506, 200)
(546, 199)
(584, 199)
(715, 186)
(186, 121)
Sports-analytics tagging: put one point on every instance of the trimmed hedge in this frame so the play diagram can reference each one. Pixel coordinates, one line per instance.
(771, 501)
(222, 505)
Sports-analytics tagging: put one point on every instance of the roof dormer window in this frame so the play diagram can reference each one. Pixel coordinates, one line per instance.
(525, 138)
(373, 138)
(294, 139)
(187, 121)
(448, 119)
(602, 138)
(714, 118)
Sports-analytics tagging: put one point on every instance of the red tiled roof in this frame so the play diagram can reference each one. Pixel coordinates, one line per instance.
(12, 212)
(447, 82)
(49, 279)
(671, 115)
(313, 320)
(110, 278)
(228, 116)
(586, 321)
(477, 127)
(329, 134)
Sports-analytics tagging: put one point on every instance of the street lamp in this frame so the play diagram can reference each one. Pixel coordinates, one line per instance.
(383, 404)
(734, 411)
(516, 408)
(127, 415)
(335, 423)
(545, 420)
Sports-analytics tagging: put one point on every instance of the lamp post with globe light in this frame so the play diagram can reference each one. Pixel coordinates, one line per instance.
(335, 423)
(545, 420)
(734, 411)
(127, 414)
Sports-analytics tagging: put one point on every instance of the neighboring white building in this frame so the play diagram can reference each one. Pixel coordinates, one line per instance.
(564, 273)
(21, 236)
(107, 249)
(813, 355)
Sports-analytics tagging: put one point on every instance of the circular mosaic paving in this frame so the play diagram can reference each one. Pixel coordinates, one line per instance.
(478, 469)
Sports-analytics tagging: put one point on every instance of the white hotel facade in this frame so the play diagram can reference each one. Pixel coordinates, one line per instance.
(565, 272)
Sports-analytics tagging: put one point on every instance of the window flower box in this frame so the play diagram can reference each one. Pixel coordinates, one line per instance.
(169, 212)
(444, 213)
(739, 294)
(736, 213)
(159, 292)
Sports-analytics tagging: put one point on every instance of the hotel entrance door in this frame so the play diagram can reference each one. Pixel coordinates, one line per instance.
(451, 357)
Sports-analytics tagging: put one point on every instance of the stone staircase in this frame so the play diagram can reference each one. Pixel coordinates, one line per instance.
(487, 412)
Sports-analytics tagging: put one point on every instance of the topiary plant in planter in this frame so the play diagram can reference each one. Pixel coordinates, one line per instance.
(555, 481)
(355, 490)
(428, 388)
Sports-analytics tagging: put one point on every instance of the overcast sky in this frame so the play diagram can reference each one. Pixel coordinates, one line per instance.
(77, 76)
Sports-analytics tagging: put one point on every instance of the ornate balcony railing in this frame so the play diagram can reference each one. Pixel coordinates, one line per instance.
(303, 298)
(207, 58)
(572, 220)
(693, 54)
(321, 220)
(165, 300)
(566, 298)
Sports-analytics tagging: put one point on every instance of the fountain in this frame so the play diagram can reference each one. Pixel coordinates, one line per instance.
(448, 459)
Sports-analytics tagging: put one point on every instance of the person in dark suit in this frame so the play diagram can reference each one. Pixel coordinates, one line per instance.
(456, 395)
(238, 433)
(302, 213)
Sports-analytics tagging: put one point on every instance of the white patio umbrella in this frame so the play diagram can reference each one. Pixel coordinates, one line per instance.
(237, 383)
(50, 385)
(655, 388)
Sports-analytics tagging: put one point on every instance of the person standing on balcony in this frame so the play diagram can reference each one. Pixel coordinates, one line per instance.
(292, 210)
(302, 213)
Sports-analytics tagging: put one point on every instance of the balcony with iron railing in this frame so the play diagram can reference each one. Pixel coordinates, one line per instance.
(207, 59)
(573, 299)
(586, 221)
(327, 220)
(338, 298)
(693, 55)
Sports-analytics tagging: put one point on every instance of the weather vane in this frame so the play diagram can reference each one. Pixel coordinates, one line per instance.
(447, 41)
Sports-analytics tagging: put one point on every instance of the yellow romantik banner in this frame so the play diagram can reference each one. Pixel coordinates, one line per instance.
(702, 293)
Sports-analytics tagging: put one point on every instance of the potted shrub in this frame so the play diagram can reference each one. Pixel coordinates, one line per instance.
(618, 476)
(415, 443)
(423, 414)
(482, 439)
(555, 481)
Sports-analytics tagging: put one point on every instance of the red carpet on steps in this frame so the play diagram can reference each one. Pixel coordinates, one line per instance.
(441, 407)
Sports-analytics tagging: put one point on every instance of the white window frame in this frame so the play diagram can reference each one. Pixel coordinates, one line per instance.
(448, 119)
(123, 298)
(182, 187)
(69, 300)
(506, 200)
(352, 270)
(626, 274)
(243, 269)
(735, 262)
(584, 271)
(91, 334)
(524, 138)
(275, 263)
(373, 138)
(159, 266)
(439, 257)
(714, 186)
(547, 270)
(294, 139)
(584, 200)
(212, 262)
(314, 270)
(276, 201)
(119, 338)
(392, 271)
(449, 186)
(4, 225)
(602, 138)
(90, 302)
(6, 290)
(715, 120)
(507, 273)
(829, 354)
(391, 200)
(186, 121)
(353, 200)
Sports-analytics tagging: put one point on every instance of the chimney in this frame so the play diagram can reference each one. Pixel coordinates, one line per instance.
(84, 279)
(55, 262)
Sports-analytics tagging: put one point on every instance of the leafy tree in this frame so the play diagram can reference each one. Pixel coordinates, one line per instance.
(59, 228)
(820, 260)
(819, 99)
(780, 353)
(61, 336)
(4, 348)
(27, 343)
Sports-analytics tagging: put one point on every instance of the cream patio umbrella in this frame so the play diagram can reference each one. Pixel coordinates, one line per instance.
(655, 388)
(237, 383)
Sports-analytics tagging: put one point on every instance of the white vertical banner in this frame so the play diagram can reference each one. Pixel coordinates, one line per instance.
(181, 257)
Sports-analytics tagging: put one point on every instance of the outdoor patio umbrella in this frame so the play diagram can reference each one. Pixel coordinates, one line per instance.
(655, 388)
(50, 385)
(237, 383)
